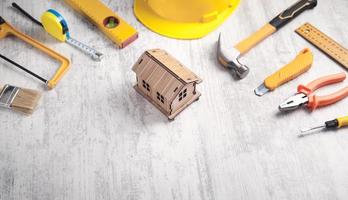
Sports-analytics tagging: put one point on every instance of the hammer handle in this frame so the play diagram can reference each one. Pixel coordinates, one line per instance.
(281, 20)
(291, 13)
(257, 37)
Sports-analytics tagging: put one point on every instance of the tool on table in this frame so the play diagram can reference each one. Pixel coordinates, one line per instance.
(118, 30)
(298, 66)
(306, 96)
(182, 19)
(326, 44)
(23, 68)
(333, 124)
(229, 57)
(6, 29)
(55, 24)
(19, 99)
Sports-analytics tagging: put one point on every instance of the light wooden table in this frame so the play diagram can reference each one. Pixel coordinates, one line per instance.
(94, 137)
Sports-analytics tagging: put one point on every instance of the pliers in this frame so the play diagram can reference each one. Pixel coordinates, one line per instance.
(305, 94)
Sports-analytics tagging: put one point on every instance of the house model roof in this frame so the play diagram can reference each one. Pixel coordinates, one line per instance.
(169, 63)
(164, 73)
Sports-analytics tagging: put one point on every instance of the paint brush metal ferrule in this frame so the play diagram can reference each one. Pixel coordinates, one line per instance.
(7, 95)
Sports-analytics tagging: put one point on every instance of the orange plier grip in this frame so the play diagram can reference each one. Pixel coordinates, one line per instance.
(6, 30)
(315, 101)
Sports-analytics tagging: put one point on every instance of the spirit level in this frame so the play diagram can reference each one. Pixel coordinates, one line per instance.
(118, 30)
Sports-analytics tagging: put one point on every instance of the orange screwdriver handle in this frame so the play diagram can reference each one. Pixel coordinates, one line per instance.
(321, 101)
(321, 82)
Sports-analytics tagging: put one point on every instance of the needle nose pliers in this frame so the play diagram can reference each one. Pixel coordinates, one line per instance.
(306, 96)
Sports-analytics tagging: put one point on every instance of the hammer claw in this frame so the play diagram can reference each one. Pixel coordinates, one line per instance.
(229, 58)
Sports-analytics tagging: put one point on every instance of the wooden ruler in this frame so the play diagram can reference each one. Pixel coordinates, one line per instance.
(324, 43)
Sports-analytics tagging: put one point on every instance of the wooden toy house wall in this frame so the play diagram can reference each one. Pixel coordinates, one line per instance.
(165, 82)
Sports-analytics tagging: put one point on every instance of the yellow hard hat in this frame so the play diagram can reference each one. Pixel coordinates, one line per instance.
(183, 19)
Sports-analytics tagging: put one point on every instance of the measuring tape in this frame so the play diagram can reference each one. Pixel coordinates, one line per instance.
(324, 43)
(55, 24)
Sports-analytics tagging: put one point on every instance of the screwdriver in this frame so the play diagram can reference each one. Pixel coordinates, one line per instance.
(333, 124)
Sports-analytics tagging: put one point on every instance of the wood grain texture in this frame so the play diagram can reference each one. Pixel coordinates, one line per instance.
(94, 137)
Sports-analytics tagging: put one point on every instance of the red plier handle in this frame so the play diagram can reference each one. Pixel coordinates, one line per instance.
(320, 101)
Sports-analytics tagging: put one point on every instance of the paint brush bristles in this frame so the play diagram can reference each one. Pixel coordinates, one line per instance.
(25, 101)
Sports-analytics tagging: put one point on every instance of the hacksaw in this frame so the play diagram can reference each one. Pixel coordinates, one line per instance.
(117, 29)
(6, 30)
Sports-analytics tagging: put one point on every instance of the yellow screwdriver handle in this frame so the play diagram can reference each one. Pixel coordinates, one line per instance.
(342, 122)
(298, 66)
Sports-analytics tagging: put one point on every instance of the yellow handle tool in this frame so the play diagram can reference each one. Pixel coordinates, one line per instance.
(333, 124)
(342, 122)
(118, 30)
(298, 66)
(6, 30)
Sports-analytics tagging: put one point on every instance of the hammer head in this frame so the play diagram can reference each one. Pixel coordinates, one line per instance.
(229, 58)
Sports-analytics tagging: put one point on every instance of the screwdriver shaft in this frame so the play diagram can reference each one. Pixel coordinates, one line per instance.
(332, 124)
(307, 130)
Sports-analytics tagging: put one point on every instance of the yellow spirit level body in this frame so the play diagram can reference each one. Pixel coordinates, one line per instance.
(118, 30)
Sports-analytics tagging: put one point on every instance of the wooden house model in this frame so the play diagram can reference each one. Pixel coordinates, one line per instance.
(165, 82)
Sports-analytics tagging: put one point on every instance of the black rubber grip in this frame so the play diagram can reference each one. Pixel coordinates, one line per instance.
(291, 13)
(332, 124)
(1, 20)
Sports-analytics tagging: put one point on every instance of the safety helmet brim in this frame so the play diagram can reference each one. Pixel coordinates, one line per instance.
(175, 29)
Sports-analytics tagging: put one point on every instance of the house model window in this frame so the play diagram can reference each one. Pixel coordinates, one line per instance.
(182, 95)
(165, 82)
(146, 86)
(160, 97)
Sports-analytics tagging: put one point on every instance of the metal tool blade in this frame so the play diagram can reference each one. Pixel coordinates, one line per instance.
(307, 130)
(310, 131)
(261, 90)
(294, 102)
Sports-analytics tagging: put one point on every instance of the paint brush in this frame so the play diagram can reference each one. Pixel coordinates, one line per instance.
(19, 99)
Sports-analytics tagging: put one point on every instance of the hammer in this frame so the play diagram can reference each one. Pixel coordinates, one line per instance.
(229, 57)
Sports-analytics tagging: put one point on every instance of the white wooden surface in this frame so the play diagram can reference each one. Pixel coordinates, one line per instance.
(94, 137)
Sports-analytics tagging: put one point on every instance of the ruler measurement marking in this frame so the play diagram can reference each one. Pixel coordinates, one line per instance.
(324, 43)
